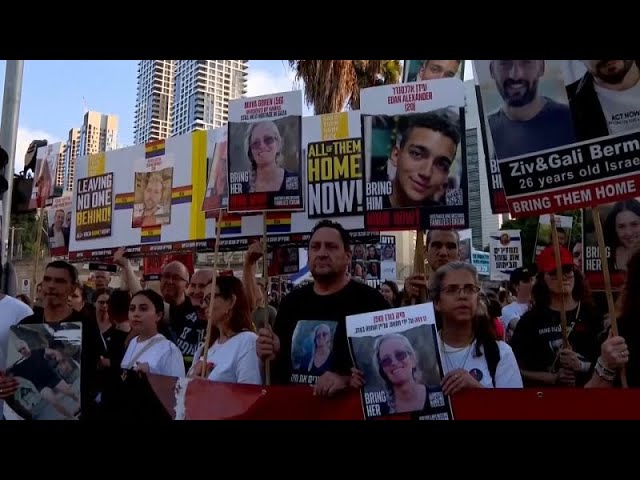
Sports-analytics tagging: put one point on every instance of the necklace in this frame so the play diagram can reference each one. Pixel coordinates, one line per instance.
(450, 351)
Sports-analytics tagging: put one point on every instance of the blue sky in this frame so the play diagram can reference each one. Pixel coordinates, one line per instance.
(54, 92)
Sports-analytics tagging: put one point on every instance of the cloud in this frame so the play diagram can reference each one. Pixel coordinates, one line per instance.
(25, 137)
(281, 78)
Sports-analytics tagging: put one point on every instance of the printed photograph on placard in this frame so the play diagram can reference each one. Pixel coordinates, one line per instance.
(604, 96)
(44, 178)
(312, 350)
(415, 164)
(525, 105)
(265, 153)
(45, 360)
(153, 189)
(417, 70)
(397, 351)
(465, 246)
(217, 194)
(283, 260)
(374, 263)
(59, 220)
(621, 230)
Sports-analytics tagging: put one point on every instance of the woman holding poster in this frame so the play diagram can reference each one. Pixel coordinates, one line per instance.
(264, 150)
(472, 357)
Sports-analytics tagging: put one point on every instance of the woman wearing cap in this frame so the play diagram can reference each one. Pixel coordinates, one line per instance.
(538, 341)
(622, 350)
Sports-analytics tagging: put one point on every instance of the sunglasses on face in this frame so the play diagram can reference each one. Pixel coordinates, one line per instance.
(267, 140)
(400, 356)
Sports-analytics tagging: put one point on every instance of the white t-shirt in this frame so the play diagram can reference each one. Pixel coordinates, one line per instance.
(235, 360)
(507, 372)
(163, 357)
(620, 108)
(513, 311)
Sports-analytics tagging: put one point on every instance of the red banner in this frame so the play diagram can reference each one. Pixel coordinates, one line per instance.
(205, 400)
(153, 265)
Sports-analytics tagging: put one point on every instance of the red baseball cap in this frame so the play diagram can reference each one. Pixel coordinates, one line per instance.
(546, 261)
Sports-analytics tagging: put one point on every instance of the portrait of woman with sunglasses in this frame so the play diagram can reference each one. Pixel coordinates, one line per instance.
(537, 340)
(472, 355)
(265, 147)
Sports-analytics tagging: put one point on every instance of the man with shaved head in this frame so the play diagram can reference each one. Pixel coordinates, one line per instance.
(189, 329)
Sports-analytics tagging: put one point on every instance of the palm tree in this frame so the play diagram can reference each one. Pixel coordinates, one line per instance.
(330, 85)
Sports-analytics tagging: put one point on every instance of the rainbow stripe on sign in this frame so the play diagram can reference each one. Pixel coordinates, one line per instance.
(231, 225)
(278, 222)
(150, 234)
(181, 195)
(124, 201)
(154, 149)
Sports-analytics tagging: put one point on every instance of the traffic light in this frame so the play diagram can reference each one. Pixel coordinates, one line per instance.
(4, 160)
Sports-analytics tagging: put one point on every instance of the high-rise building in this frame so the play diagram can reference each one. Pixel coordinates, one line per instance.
(60, 168)
(72, 147)
(99, 133)
(481, 219)
(154, 100)
(202, 90)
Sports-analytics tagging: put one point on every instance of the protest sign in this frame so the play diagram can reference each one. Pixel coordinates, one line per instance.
(420, 70)
(481, 261)
(397, 350)
(506, 253)
(217, 194)
(265, 152)
(59, 216)
(44, 177)
(415, 160)
(543, 237)
(93, 206)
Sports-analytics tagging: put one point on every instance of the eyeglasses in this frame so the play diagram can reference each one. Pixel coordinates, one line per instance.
(400, 356)
(268, 140)
(467, 290)
(567, 271)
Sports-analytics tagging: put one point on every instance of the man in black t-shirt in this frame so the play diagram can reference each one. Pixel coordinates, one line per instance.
(58, 283)
(309, 342)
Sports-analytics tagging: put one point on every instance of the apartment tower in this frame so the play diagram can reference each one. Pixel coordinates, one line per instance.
(154, 100)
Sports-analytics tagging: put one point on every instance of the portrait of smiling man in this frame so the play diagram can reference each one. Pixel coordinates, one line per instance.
(422, 156)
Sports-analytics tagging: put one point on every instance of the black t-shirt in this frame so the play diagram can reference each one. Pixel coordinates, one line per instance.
(305, 316)
(92, 346)
(188, 330)
(537, 339)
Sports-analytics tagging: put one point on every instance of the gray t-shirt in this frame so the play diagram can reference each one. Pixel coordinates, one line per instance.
(552, 127)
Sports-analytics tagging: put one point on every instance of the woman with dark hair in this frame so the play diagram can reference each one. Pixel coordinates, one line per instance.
(391, 293)
(232, 356)
(472, 356)
(623, 350)
(150, 351)
(537, 341)
(622, 232)
(79, 301)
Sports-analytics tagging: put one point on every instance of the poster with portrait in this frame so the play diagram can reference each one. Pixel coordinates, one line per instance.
(283, 260)
(217, 193)
(544, 236)
(153, 186)
(621, 230)
(44, 177)
(59, 216)
(312, 352)
(397, 350)
(421, 70)
(374, 263)
(465, 245)
(265, 153)
(415, 161)
(505, 248)
(46, 362)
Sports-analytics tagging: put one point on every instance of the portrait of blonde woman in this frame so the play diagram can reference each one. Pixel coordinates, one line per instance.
(322, 350)
(267, 173)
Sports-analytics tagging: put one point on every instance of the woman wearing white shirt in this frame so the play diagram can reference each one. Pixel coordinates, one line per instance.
(149, 351)
(231, 357)
(471, 355)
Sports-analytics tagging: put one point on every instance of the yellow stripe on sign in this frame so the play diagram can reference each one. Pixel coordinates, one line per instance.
(198, 183)
(96, 164)
(334, 126)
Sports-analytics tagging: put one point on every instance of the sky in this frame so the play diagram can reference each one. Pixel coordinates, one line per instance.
(55, 92)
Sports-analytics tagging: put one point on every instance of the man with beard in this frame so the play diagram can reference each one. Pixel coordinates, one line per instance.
(527, 122)
(606, 100)
(328, 300)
